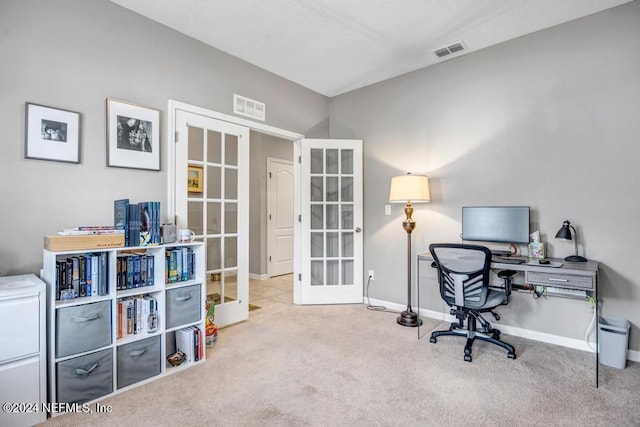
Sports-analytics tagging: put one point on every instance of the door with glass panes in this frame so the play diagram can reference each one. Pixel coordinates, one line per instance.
(331, 221)
(212, 197)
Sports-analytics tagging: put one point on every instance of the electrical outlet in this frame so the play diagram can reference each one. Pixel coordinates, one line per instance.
(371, 274)
(387, 209)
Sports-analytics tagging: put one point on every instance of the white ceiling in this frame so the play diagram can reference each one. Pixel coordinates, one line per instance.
(334, 46)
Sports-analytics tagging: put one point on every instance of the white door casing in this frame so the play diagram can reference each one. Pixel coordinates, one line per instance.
(280, 219)
(331, 199)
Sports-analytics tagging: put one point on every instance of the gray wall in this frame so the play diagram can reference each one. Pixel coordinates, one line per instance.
(262, 146)
(548, 120)
(73, 54)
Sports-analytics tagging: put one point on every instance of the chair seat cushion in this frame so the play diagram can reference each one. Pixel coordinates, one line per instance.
(494, 299)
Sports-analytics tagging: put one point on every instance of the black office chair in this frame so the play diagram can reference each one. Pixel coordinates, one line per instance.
(463, 275)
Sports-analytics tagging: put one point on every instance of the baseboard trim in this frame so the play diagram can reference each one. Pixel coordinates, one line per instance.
(577, 344)
(255, 276)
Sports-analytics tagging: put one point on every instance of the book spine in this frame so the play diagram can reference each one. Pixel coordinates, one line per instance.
(150, 270)
(120, 319)
(104, 274)
(75, 277)
(82, 276)
(121, 217)
(128, 272)
(185, 264)
(88, 275)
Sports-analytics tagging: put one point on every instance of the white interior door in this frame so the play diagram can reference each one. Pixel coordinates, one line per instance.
(217, 209)
(331, 221)
(280, 217)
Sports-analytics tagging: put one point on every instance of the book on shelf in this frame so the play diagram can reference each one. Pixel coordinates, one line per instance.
(140, 222)
(134, 270)
(82, 275)
(79, 231)
(189, 341)
(137, 315)
(121, 216)
(180, 264)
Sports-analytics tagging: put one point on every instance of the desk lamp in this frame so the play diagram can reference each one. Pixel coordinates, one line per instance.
(565, 234)
(409, 189)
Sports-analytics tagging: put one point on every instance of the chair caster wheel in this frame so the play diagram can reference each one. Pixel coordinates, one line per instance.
(467, 352)
(433, 340)
(467, 358)
(511, 355)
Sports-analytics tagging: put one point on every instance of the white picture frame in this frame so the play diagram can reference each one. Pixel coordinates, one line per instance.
(133, 136)
(51, 134)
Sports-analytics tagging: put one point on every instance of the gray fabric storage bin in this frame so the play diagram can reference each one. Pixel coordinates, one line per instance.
(183, 306)
(83, 328)
(614, 341)
(85, 378)
(138, 361)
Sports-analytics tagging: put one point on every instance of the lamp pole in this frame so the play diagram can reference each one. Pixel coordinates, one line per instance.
(409, 317)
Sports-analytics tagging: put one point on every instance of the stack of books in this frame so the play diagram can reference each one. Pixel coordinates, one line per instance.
(139, 221)
(137, 315)
(190, 341)
(81, 276)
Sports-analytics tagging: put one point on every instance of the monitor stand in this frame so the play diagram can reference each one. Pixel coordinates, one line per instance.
(500, 253)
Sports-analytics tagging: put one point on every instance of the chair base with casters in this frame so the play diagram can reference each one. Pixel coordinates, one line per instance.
(486, 333)
(464, 284)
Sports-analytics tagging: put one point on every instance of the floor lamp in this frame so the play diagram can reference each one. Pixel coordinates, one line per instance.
(409, 189)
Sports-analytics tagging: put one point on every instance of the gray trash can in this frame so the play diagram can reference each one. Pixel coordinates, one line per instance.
(614, 340)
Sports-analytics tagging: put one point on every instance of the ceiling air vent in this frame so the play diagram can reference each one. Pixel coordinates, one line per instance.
(248, 107)
(449, 50)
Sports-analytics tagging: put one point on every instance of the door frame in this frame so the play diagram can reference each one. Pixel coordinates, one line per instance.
(170, 166)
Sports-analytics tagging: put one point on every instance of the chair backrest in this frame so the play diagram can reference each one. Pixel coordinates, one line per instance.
(463, 273)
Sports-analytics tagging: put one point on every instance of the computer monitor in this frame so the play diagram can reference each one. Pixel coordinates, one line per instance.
(502, 224)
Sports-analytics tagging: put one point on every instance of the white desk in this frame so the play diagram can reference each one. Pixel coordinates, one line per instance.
(572, 275)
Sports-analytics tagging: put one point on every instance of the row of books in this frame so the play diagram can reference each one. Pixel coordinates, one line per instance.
(137, 315)
(81, 276)
(134, 270)
(140, 222)
(180, 264)
(190, 341)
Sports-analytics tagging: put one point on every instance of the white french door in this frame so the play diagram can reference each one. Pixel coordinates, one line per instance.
(331, 221)
(215, 206)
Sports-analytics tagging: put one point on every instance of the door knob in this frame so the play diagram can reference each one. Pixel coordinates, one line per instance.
(358, 229)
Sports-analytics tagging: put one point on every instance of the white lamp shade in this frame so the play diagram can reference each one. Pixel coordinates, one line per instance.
(409, 188)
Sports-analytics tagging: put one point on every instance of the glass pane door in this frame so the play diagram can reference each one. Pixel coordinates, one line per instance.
(332, 213)
(217, 197)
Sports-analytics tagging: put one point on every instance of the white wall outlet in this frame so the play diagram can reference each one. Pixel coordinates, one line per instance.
(371, 274)
(387, 209)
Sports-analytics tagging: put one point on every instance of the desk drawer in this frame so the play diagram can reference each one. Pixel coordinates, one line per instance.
(560, 280)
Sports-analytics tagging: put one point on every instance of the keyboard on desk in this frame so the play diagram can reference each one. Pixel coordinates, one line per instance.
(508, 260)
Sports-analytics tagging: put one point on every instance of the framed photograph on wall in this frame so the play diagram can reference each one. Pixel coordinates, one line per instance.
(133, 136)
(51, 134)
(194, 179)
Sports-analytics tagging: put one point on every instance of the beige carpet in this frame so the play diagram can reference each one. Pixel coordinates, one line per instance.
(345, 365)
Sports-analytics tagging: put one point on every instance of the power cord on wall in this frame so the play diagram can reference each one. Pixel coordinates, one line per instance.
(373, 307)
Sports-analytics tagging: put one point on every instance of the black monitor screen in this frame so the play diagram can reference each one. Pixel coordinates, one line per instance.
(508, 224)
